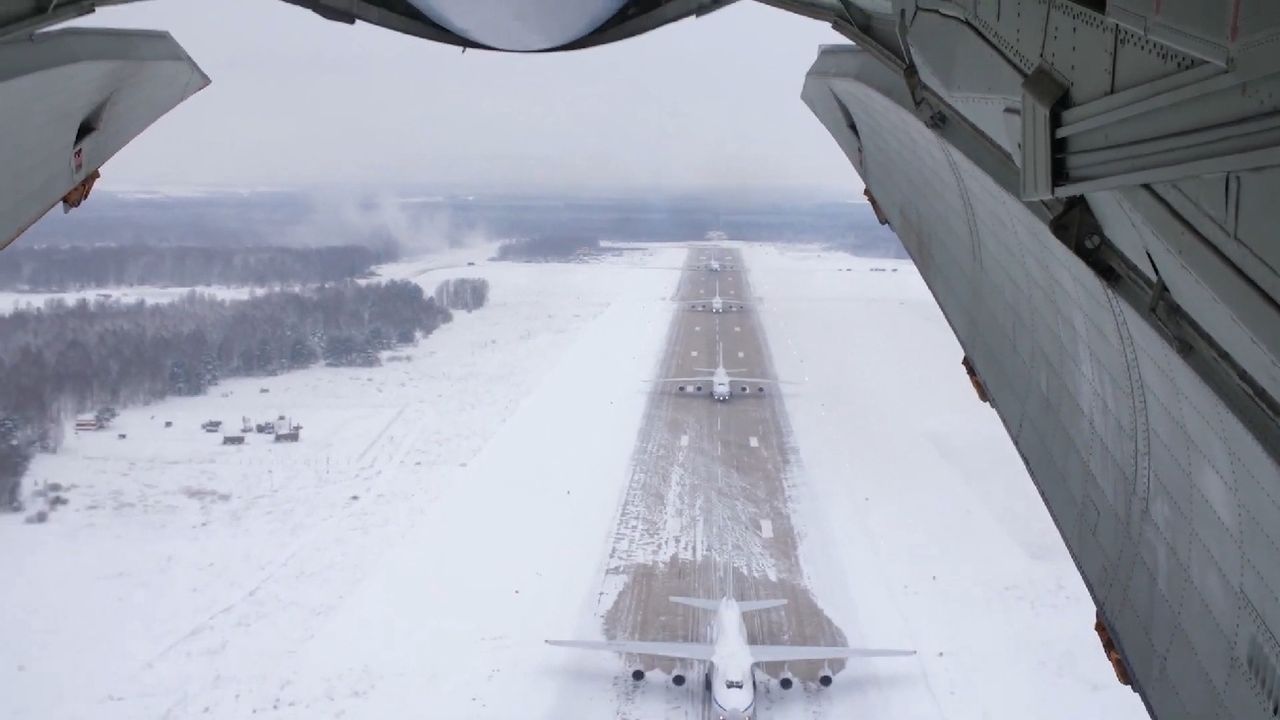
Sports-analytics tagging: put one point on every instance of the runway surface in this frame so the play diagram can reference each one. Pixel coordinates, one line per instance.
(706, 511)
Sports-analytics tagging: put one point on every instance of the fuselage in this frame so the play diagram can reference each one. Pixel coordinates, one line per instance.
(721, 388)
(733, 684)
(717, 305)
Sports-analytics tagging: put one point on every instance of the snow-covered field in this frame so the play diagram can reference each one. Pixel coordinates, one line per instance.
(13, 301)
(423, 267)
(445, 513)
(437, 517)
(920, 521)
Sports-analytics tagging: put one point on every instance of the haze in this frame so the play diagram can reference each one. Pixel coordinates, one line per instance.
(709, 105)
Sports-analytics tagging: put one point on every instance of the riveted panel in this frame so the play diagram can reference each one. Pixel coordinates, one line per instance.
(1140, 60)
(1017, 30)
(1256, 222)
(1080, 45)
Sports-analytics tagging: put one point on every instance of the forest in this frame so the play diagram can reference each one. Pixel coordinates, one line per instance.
(465, 294)
(548, 248)
(67, 358)
(63, 268)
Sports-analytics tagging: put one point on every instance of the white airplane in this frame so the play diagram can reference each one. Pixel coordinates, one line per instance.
(717, 303)
(720, 384)
(731, 660)
(715, 265)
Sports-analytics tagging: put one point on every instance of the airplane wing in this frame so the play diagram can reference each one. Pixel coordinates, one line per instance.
(679, 650)
(70, 100)
(787, 653)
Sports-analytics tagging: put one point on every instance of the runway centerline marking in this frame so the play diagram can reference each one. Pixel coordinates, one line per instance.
(693, 353)
(737, 328)
(740, 354)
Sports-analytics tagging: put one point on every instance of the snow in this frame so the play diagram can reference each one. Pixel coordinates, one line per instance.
(417, 269)
(922, 528)
(13, 301)
(445, 513)
(439, 517)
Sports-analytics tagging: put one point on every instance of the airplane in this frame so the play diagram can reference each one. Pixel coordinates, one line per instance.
(717, 304)
(730, 675)
(720, 383)
(715, 265)
(1162, 239)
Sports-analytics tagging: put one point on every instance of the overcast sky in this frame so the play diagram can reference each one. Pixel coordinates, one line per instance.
(710, 104)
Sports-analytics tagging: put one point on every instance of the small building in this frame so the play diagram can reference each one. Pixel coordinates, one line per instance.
(88, 421)
(232, 439)
(286, 430)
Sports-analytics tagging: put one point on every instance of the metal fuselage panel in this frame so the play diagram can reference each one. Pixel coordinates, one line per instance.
(1167, 502)
(71, 99)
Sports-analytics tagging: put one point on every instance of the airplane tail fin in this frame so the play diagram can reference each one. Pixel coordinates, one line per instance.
(700, 603)
(743, 605)
(749, 605)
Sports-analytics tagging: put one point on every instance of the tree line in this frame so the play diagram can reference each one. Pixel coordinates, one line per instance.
(70, 357)
(545, 248)
(63, 268)
(463, 293)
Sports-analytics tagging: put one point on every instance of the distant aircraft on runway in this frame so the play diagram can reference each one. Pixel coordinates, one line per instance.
(715, 265)
(717, 303)
(730, 675)
(720, 384)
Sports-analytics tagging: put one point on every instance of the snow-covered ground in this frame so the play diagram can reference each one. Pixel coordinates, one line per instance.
(445, 513)
(411, 269)
(920, 520)
(439, 514)
(13, 301)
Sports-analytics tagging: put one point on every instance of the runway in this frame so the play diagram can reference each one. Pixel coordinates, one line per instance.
(706, 510)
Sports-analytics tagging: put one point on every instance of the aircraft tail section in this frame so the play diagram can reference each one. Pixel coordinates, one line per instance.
(743, 605)
(696, 602)
(749, 605)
